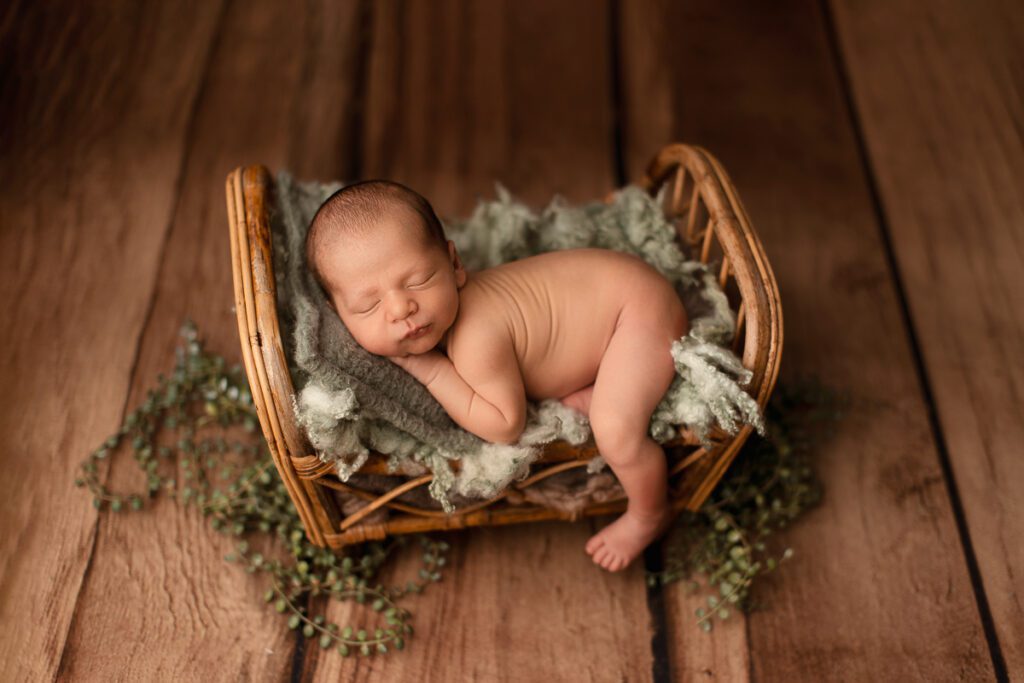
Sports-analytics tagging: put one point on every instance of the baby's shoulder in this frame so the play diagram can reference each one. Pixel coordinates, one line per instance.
(480, 344)
(470, 331)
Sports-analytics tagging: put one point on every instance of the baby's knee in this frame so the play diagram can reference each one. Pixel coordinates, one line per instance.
(675, 323)
(618, 438)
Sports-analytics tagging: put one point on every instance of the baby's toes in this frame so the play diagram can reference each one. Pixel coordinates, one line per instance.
(618, 563)
(600, 554)
(595, 542)
(608, 559)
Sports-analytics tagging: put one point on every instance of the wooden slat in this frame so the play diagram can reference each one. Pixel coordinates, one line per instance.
(878, 588)
(93, 118)
(462, 94)
(938, 91)
(191, 615)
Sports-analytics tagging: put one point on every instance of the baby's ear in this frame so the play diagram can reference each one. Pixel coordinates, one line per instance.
(460, 272)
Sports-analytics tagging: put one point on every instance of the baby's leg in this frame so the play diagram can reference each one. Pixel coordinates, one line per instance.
(579, 400)
(636, 371)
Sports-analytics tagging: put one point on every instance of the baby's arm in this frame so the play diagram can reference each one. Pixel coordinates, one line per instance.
(485, 395)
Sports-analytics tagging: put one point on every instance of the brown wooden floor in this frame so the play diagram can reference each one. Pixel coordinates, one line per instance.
(878, 146)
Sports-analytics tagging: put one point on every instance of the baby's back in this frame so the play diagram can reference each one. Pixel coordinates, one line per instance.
(560, 309)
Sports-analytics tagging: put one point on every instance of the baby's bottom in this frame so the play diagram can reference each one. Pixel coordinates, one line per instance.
(635, 372)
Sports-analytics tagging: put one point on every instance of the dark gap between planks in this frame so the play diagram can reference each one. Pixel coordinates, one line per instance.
(998, 662)
(653, 555)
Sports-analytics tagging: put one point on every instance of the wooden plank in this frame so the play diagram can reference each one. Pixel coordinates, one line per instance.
(87, 190)
(460, 95)
(878, 588)
(938, 91)
(191, 614)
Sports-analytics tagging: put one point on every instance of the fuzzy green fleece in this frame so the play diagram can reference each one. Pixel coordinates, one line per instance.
(350, 401)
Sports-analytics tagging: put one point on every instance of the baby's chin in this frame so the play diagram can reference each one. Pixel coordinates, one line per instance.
(428, 342)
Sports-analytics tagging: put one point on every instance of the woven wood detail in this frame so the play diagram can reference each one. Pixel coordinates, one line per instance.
(710, 222)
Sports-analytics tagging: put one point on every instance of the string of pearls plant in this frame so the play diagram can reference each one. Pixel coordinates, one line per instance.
(203, 393)
(769, 485)
(761, 491)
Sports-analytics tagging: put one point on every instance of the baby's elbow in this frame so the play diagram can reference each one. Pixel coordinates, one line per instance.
(511, 433)
(507, 438)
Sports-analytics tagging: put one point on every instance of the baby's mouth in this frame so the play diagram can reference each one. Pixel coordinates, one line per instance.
(416, 332)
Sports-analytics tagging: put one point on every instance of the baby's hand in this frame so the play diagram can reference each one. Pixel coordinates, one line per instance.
(423, 366)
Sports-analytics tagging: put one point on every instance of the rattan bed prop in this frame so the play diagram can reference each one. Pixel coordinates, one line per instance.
(699, 200)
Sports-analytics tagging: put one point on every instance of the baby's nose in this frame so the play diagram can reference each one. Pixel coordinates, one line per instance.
(402, 307)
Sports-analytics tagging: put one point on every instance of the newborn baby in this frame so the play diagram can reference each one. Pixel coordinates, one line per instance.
(590, 327)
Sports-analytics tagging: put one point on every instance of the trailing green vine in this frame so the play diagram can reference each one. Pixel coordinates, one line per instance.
(769, 485)
(204, 394)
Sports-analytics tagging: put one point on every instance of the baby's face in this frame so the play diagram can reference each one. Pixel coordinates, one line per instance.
(386, 285)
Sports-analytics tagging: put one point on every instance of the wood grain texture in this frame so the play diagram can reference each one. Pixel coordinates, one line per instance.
(190, 613)
(99, 171)
(939, 91)
(462, 94)
(93, 113)
(721, 655)
(878, 588)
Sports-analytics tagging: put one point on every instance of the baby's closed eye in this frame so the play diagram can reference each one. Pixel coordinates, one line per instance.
(428, 279)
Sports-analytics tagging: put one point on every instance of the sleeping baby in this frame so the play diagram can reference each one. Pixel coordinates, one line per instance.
(589, 327)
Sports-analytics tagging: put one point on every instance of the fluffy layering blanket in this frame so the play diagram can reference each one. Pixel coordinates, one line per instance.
(350, 401)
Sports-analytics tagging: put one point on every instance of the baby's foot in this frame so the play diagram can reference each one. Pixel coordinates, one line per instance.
(616, 545)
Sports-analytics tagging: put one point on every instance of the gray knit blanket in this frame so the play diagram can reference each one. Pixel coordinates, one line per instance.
(350, 402)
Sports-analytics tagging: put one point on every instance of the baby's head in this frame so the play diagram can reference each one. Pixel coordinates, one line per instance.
(379, 253)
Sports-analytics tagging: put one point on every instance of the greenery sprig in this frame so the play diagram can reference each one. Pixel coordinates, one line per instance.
(769, 485)
(204, 394)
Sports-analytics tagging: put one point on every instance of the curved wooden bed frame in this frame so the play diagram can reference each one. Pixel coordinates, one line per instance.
(709, 219)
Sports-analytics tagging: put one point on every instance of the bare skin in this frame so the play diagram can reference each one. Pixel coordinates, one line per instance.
(629, 530)
(589, 327)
